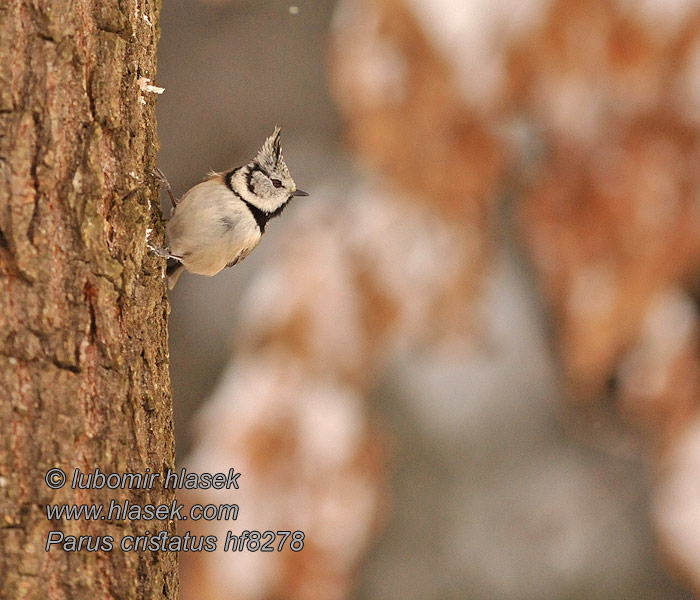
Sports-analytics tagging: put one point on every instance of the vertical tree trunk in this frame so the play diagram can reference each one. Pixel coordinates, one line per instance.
(83, 342)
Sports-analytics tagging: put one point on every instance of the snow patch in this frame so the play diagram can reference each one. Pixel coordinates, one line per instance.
(144, 84)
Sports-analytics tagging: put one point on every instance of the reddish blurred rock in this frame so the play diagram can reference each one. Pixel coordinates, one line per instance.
(406, 117)
(309, 463)
(612, 223)
(607, 230)
(612, 216)
(598, 65)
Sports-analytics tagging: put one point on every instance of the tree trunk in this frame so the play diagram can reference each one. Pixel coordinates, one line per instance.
(83, 341)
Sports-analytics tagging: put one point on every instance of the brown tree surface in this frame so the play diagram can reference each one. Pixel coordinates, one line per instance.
(83, 341)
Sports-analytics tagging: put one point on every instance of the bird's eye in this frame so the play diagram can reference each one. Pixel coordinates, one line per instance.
(276, 182)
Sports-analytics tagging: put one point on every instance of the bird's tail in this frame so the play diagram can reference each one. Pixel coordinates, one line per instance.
(173, 272)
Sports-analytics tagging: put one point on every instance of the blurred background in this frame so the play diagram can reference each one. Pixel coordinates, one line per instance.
(468, 365)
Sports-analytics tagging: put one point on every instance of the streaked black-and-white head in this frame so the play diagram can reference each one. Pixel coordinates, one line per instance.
(269, 185)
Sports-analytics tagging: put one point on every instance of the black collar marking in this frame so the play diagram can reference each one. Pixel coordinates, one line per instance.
(261, 217)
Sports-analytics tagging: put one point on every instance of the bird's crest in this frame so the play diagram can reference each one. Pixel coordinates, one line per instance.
(270, 156)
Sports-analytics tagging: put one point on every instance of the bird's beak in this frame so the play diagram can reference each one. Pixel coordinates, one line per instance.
(299, 193)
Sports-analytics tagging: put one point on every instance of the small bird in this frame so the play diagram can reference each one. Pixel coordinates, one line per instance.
(218, 222)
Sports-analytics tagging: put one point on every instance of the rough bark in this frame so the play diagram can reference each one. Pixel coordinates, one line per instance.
(83, 341)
